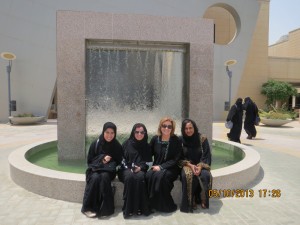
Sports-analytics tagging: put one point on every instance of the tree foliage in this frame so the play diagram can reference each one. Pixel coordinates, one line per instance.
(277, 91)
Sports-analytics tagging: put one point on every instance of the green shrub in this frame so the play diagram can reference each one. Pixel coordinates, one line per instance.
(25, 115)
(277, 91)
(281, 113)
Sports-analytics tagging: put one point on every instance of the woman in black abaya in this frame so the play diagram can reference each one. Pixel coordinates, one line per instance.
(251, 113)
(235, 115)
(166, 149)
(195, 174)
(103, 157)
(136, 158)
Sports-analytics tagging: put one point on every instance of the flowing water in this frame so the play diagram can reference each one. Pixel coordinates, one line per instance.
(128, 83)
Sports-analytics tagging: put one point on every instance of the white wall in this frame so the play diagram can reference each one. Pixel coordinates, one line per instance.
(28, 29)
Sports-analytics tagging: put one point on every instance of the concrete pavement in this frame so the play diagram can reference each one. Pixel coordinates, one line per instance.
(280, 167)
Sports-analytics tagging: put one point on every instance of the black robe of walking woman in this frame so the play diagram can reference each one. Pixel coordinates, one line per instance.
(235, 115)
(98, 194)
(160, 183)
(251, 112)
(135, 195)
(196, 150)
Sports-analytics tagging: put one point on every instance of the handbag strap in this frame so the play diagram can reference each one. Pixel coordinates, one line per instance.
(96, 146)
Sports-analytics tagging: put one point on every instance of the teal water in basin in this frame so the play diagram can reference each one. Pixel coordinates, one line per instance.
(46, 156)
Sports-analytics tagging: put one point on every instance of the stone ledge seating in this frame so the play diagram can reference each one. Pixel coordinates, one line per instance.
(70, 186)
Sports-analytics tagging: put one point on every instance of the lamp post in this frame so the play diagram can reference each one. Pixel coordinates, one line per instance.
(229, 73)
(9, 57)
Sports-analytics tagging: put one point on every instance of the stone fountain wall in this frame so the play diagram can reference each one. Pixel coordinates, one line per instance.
(74, 28)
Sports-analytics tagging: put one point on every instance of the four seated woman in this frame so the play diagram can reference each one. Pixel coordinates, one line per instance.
(145, 190)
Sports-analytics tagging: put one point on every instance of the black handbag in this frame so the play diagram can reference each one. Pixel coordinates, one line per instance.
(108, 167)
(98, 165)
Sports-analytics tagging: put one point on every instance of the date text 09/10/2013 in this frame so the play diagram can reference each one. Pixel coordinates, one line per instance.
(244, 193)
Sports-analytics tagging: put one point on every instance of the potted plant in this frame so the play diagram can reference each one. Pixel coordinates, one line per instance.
(276, 117)
(26, 119)
(277, 93)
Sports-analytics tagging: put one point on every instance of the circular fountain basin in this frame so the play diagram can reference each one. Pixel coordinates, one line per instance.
(46, 155)
(70, 186)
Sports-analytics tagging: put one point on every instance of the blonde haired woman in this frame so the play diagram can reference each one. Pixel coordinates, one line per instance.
(166, 151)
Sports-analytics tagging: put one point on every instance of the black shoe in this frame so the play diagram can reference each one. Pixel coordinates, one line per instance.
(126, 216)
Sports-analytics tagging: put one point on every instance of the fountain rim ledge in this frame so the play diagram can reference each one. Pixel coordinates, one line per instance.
(70, 186)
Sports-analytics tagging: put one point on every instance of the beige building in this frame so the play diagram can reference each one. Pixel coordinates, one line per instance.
(280, 61)
(241, 32)
(284, 62)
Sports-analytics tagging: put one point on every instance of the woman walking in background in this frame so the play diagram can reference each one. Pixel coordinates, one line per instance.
(235, 115)
(251, 113)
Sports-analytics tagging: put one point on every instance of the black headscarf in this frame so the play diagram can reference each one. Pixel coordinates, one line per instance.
(136, 143)
(239, 103)
(190, 141)
(137, 151)
(248, 103)
(248, 99)
(112, 148)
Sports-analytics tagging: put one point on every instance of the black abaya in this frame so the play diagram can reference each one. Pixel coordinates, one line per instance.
(235, 115)
(250, 116)
(196, 151)
(136, 153)
(160, 183)
(98, 194)
(201, 184)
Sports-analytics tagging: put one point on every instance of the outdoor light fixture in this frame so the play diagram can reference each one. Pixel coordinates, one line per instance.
(9, 57)
(228, 63)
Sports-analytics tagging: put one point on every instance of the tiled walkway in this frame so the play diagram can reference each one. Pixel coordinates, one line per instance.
(280, 161)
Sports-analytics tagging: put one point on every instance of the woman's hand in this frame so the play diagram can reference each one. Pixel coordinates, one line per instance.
(197, 170)
(106, 159)
(155, 168)
(193, 167)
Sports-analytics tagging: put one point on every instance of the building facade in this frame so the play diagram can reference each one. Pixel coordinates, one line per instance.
(284, 62)
(28, 29)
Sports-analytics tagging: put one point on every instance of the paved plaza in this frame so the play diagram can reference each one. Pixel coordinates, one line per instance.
(279, 149)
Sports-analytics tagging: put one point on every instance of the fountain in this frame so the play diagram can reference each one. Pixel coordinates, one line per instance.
(70, 186)
(45, 156)
(117, 69)
(127, 82)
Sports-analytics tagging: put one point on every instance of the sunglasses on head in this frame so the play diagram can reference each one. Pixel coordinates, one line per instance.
(139, 132)
(167, 126)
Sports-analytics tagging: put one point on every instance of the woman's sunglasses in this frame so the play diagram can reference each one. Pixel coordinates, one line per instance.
(167, 126)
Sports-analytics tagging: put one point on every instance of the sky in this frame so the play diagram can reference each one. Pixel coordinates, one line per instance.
(284, 17)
